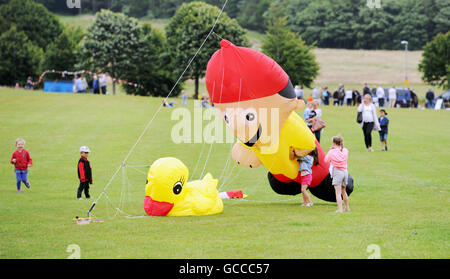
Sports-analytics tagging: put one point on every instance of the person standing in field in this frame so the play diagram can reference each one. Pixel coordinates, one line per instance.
(348, 97)
(380, 95)
(95, 85)
(305, 169)
(102, 82)
(341, 95)
(326, 96)
(384, 123)
(355, 96)
(298, 92)
(21, 160)
(338, 157)
(183, 97)
(392, 96)
(336, 98)
(370, 120)
(315, 94)
(84, 173)
(430, 99)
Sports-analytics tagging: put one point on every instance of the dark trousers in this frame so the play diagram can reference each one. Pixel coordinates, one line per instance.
(103, 88)
(317, 134)
(367, 130)
(381, 102)
(84, 186)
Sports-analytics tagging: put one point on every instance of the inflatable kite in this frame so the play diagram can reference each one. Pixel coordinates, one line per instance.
(168, 193)
(256, 99)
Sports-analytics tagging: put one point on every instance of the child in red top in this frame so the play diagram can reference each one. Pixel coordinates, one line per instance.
(21, 160)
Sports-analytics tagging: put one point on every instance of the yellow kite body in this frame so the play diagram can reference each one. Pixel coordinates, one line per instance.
(168, 193)
(294, 134)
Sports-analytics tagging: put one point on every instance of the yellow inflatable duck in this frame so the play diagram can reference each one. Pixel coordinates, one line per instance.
(168, 193)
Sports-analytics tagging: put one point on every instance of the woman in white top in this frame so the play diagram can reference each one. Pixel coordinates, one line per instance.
(370, 120)
(392, 97)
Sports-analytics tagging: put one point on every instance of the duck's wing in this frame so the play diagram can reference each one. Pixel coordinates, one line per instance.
(204, 195)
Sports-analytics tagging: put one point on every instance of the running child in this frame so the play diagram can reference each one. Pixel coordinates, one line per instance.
(21, 160)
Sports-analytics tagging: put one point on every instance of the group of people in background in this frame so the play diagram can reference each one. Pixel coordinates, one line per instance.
(96, 85)
(381, 97)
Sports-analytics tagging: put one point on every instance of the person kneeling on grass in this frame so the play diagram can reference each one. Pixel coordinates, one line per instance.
(84, 173)
(338, 157)
(21, 160)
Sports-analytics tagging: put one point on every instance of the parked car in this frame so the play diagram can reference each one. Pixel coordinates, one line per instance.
(403, 98)
(446, 99)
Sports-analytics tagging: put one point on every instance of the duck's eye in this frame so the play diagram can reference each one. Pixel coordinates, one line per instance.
(177, 188)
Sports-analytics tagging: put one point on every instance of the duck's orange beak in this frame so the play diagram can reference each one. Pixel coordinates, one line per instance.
(156, 208)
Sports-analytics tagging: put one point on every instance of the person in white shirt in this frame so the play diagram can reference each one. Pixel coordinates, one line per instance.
(380, 95)
(392, 97)
(102, 83)
(315, 94)
(298, 92)
(370, 120)
(348, 97)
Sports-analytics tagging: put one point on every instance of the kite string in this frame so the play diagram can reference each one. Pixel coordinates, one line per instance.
(158, 110)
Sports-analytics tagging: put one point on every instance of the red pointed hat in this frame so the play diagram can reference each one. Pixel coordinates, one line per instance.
(239, 74)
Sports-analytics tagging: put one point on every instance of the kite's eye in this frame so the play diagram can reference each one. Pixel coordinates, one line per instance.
(249, 116)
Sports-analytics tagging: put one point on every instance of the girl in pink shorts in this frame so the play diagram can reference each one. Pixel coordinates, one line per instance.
(306, 163)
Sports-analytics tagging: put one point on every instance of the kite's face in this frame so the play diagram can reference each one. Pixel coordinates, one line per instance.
(258, 122)
(165, 182)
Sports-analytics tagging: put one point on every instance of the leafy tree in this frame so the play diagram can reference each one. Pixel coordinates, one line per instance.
(374, 26)
(252, 14)
(111, 43)
(310, 22)
(187, 30)
(60, 54)
(442, 19)
(435, 63)
(151, 70)
(39, 25)
(291, 53)
(410, 25)
(19, 57)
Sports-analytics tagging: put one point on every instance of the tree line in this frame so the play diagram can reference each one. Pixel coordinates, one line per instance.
(351, 24)
(33, 40)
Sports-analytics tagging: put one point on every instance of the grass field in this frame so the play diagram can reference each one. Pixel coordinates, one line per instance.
(400, 200)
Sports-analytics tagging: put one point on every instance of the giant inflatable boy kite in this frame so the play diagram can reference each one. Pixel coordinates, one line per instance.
(256, 99)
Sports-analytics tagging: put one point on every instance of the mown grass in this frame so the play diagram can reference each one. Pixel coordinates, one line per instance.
(400, 201)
